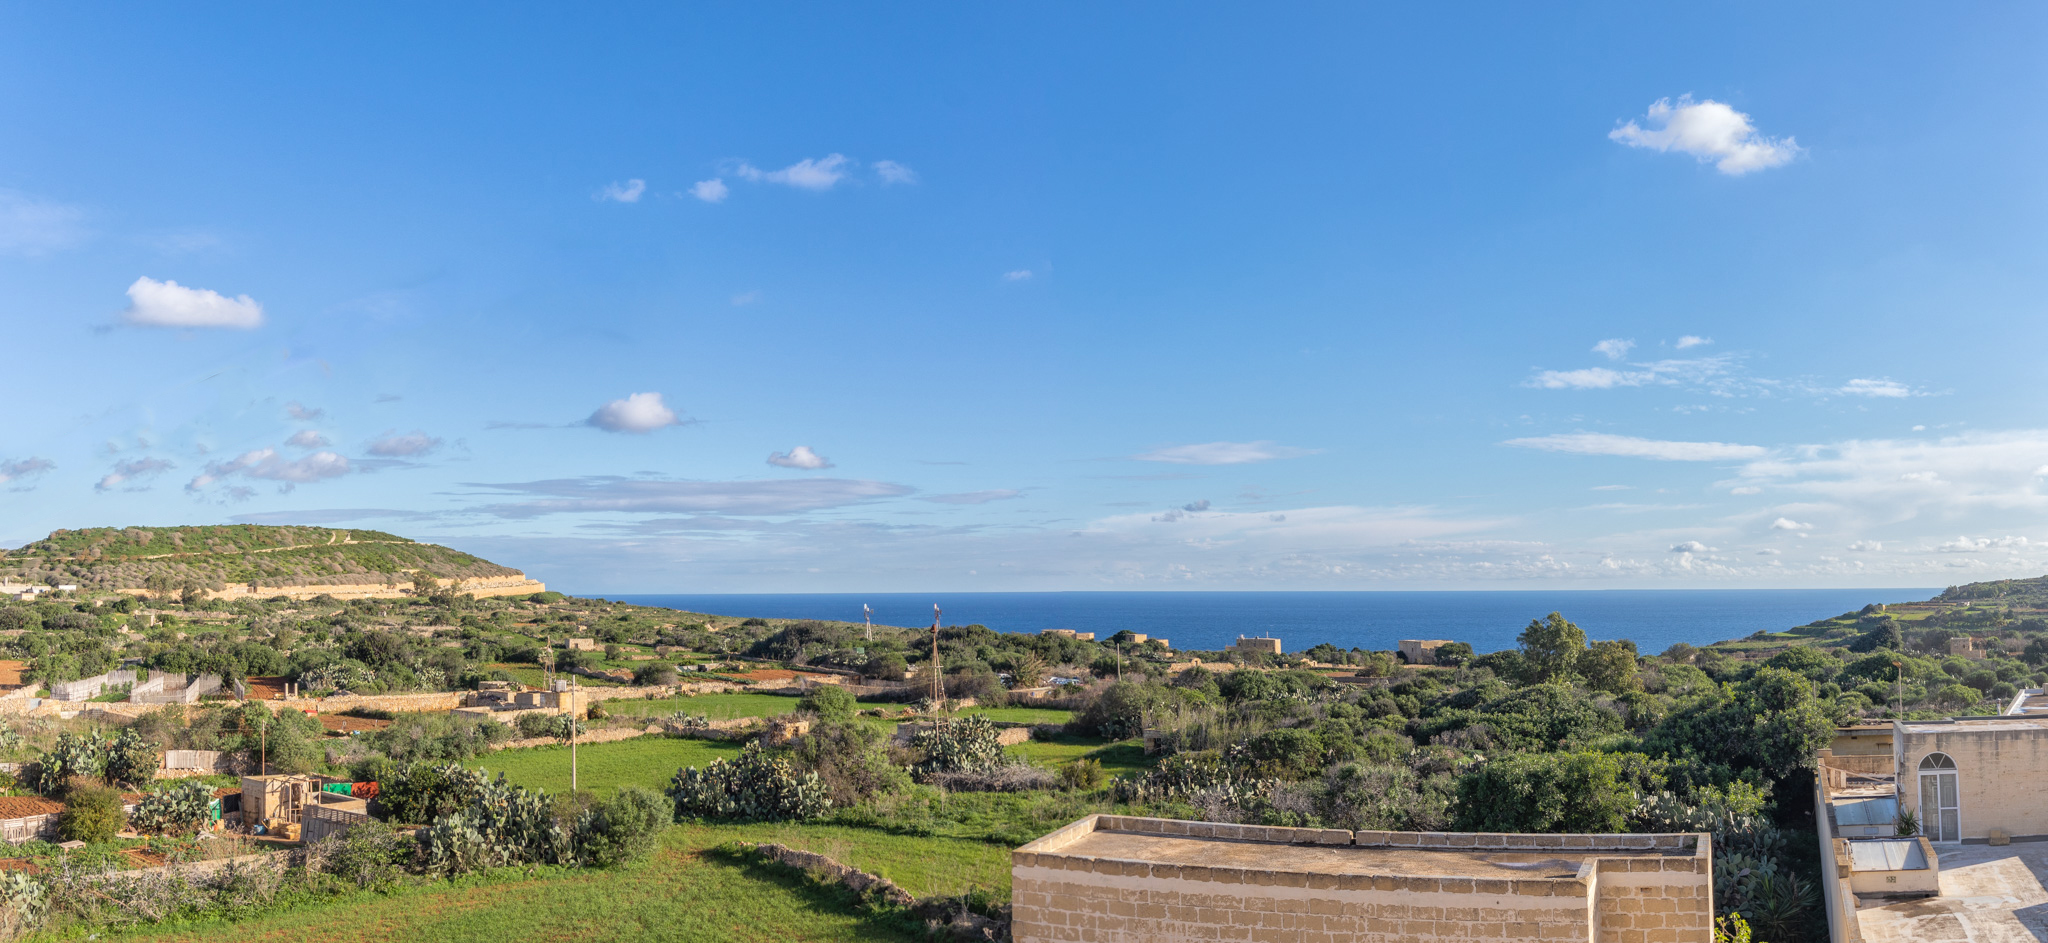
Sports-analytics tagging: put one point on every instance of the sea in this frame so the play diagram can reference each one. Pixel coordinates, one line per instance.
(1654, 619)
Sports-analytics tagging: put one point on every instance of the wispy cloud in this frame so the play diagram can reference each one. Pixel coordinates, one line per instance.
(303, 413)
(1709, 131)
(808, 174)
(1614, 348)
(1691, 546)
(1223, 453)
(152, 303)
(746, 298)
(1601, 443)
(972, 497)
(713, 190)
(24, 468)
(799, 457)
(638, 413)
(1654, 373)
(31, 226)
(1786, 523)
(1022, 274)
(892, 172)
(1692, 340)
(627, 192)
(267, 465)
(1883, 389)
(633, 495)
(308, 439)
(394, 445)
(126, 474)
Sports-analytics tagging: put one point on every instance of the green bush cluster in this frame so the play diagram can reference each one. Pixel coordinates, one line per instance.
(756, 786)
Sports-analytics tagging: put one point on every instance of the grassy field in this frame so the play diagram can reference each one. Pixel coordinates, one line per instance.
(1022, 715)
(681, 894)
(1119, 758)
(714, 706)
(604, 767)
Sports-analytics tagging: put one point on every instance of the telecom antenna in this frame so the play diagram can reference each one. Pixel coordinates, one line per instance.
(869, 615)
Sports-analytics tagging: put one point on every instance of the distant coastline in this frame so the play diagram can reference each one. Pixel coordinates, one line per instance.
(1489, 619)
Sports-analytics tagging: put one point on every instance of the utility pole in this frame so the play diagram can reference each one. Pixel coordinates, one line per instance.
(938, 675)
(263, 742)
(1899, 690)
(1119, 661)
(573, 702)
(868, 615)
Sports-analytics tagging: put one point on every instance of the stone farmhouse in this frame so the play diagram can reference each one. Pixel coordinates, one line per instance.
(1110, 877)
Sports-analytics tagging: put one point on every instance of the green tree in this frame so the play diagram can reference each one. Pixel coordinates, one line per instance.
(829, 701)
(1610, 667)
(1546, 792)
(92, 813)
(1552, 647)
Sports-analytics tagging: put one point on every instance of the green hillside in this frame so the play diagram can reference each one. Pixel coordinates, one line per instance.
(216, 555)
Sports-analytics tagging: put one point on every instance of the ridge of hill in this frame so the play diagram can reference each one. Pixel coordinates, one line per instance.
(251, 559)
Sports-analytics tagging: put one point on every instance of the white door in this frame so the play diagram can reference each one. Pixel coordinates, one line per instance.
(1940, 815)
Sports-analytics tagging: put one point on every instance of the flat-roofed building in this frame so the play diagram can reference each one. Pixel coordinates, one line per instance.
(1270, 646)
(1112, 877)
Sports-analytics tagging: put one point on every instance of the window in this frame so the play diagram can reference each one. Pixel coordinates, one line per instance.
(1940, 810)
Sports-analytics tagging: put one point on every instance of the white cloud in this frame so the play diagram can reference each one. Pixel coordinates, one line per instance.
(1601, 443)
(713, 190)
(1709, 131)
(973, 497)
(1691, 546)
(29, 226)
(1887, 389)
(1889, 480)
(746, 298)
(1786, 523)
(1193, 507)
(638, 413)
(628, 192)
(18, 469)
(1613, 488)
(799, 457)
(1978, 544)
(1019, 275)
(267, 465)
(307, 439)
(303, 413)
(629, 495)
(152, 303)
(1223, 453)
(1614, 348)
(807, 174)
(1746, 489)
(129, 471)
(1692, 340)
(1867, 546)
(1769, 552)
(1661, 373)
(893, 172)
(393, 445)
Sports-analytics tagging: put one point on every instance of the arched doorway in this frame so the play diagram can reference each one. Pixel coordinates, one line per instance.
(1940, 811)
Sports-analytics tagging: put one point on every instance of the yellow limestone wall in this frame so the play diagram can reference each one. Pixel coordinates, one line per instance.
(1062, 897)
(1997, 774)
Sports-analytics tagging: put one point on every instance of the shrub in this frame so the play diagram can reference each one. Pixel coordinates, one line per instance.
(621, 828)
(1018, 778)
(500, 825)
(1083, 775)
(596, 712)
(443, 736)
(422, 792)
(557, 726)
(849, 759)
(655, 674)
(177, 810)
(755, 786)
(829, 701)
(369, 854)
(968, 744)
(92, 813)
(132, 759)
(1546, 792)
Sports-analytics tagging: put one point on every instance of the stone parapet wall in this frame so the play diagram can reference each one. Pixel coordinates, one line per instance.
(1656, 889)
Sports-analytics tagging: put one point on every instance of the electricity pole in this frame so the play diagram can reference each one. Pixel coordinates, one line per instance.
(938, 676)
(572, 736)
(868, 615)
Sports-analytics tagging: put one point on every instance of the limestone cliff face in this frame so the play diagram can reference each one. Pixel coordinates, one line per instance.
(516, 585)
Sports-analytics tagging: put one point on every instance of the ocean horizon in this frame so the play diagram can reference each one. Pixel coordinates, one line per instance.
(1488, 619)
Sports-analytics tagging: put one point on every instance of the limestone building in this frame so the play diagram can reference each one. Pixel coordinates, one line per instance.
(1112, 877)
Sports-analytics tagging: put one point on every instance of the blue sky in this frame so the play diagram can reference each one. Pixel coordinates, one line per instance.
(975, 297)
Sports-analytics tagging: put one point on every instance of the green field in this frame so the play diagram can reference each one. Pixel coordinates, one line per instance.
(1022, 715)
(1120, 758)
(681, 894)
(604, 767)
(714, 706)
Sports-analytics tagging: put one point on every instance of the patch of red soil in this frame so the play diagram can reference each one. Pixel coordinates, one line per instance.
(778, 674)
(10, 674)
(342, 723)
(266, 689)
(144, 858)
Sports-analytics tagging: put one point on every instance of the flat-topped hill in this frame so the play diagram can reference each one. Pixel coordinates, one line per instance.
(250, 559)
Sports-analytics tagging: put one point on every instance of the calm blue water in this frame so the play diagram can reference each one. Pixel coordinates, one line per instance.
(1490, 621)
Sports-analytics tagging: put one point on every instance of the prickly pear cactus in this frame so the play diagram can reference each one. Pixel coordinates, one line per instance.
(756, 786)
